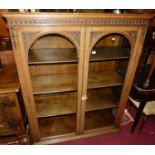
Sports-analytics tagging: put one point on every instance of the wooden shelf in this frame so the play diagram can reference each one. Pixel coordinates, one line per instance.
(64, 124)
(56, 104)
(69, 55)
(45, 84)
(104, 79)
(53, 105)
(110, 53)
(99, 119)
(57, 125)
(9, 81)
(101, 99)
(52, 56)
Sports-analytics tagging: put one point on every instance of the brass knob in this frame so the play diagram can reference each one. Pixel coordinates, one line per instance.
(84, 98)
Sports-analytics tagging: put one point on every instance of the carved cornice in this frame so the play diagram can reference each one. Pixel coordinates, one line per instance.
(75, 21)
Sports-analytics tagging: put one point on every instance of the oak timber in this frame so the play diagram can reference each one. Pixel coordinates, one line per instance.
(65, 103)
(64, 124)
(64, 55)
(45, 84)
(84, 31)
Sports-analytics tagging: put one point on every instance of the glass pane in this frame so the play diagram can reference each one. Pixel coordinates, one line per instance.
(53, 67)
(107, 68)
(52, 49)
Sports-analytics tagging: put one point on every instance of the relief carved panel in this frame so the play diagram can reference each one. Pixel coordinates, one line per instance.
(75, 35)
(29, 37)
(75, 21)
(133, 35)
(95, 36)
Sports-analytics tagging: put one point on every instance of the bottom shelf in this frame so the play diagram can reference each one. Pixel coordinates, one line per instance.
(98, 119)
(59, 125)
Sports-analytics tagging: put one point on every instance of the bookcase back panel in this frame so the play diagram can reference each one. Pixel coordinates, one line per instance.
(53, 69)
(108, 41)
(52, 41)
(102, 66)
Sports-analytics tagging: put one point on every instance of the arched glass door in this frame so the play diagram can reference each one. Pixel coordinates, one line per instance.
(108, 63)
(53, 65)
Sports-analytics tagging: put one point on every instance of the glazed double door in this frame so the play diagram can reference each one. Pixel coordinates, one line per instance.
(72, 78)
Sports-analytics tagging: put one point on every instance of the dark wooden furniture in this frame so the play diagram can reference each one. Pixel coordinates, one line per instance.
(11, 120)
(76, 70)
(143, 89)
(4, 31)
(12, 127)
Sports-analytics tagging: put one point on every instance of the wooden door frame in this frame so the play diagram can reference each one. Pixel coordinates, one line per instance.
(20, 51)
(136, 36)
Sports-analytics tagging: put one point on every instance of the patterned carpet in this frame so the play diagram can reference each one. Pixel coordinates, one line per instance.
(127, 118)
(124, 137)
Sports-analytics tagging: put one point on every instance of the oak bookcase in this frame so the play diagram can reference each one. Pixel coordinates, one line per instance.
(75, 70)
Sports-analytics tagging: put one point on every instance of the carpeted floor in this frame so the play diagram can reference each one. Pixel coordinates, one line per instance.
(124, 137)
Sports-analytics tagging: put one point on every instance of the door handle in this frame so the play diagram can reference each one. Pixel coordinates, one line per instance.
(84, 98)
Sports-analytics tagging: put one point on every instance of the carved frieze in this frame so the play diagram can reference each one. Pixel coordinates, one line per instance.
(75, 21)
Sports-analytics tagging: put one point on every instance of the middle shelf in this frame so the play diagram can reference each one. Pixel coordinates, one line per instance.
(54, 83)
(69, 55)
(65, 103)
